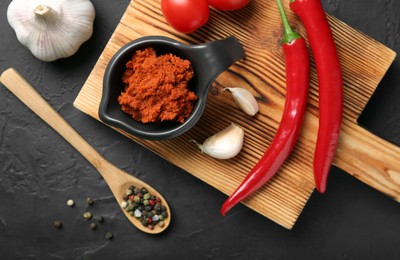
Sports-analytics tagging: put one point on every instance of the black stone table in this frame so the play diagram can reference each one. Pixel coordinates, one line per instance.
(39, 172)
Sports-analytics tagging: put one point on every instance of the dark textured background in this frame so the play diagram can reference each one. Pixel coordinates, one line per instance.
(39, 171)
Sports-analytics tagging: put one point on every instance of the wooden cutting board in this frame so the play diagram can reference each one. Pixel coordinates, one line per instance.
(258, 27)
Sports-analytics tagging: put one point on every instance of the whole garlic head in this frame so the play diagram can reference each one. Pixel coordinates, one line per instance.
(51, 29)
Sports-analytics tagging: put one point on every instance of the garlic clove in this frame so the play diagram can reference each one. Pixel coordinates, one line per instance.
(225, 144)
(51, 29)
(245, 100)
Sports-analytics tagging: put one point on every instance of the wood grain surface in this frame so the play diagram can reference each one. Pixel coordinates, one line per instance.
(262, 72)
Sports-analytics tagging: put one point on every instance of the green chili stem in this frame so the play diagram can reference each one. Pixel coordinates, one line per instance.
(288, 34)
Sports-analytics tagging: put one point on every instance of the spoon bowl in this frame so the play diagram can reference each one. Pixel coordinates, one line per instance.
(117, 180)
(208, 61)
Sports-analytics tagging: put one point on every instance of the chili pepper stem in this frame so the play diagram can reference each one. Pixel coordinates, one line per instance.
(288, 34)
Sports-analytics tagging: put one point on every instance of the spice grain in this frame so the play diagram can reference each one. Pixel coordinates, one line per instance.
(57, 224)
(70, 203)
(109, 235)
(145, 207)
(87, 215)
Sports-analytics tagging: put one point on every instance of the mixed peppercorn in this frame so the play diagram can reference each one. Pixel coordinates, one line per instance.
(144, 206)
(87, 216)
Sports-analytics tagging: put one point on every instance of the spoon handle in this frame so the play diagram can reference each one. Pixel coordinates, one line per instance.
(117, 180)
(32, 99)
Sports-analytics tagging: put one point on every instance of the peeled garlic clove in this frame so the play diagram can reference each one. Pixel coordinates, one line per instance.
(51, 29)
(245, 100)
(224, 144)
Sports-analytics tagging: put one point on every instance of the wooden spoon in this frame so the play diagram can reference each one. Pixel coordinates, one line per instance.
(117, 180)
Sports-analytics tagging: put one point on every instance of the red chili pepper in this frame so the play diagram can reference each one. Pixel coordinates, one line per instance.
(297, 83)
(330, 83)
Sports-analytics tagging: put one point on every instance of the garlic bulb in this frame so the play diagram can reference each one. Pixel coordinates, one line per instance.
(224, 144)
(51, 29)
(245, 100)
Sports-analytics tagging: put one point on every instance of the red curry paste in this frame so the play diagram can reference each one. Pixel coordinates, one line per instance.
(156, 87)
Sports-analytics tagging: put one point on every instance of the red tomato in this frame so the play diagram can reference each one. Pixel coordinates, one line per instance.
(185, 16)
(228, 5)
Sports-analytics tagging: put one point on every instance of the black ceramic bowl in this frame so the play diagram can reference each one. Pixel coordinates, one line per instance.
(208, 61)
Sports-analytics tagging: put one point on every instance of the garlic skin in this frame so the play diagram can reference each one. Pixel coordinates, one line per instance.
(245, 100)
(225, 144)
(51, 29)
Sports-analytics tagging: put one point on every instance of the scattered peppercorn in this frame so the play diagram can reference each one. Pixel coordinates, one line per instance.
(70, 203)
(109, 235)
(93, 226)
(87, 215)
(145, 207)
(100, 219)
(89, 201)
(57, 224)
